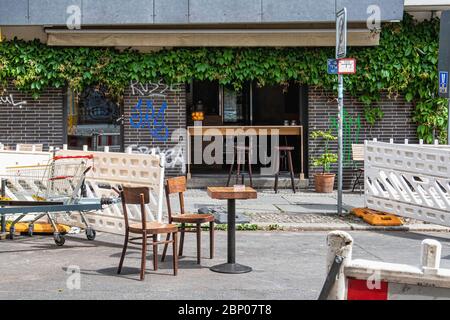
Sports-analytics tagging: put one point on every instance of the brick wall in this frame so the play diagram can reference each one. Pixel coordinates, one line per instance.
(37, 121)
(395, 124)
(143, 135)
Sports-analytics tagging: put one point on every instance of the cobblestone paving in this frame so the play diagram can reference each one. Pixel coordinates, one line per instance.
(286, 207)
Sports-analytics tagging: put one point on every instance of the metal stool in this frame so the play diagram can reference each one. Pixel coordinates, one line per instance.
(241, 152)
(287, 151)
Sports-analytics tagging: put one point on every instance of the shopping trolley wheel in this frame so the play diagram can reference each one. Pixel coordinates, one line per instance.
(90, 234)
(30, 229)
(59, 239)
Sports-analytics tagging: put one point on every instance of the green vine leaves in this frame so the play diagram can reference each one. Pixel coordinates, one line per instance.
(405, 63)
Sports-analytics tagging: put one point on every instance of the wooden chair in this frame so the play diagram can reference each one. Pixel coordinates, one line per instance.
(140, 195)
(178, 185)
(358, 155)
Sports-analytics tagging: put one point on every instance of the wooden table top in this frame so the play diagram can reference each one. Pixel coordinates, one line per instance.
(230, 193)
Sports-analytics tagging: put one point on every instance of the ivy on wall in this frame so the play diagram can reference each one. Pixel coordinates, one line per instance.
(404, 63)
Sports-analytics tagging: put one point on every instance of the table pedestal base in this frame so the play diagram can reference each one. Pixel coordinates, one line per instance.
(231, 268)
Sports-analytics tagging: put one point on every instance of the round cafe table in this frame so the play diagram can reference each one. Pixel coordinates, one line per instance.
(231, 195)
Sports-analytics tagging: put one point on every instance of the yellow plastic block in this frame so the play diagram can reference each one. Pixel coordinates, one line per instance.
(377, 218)
(38, 227)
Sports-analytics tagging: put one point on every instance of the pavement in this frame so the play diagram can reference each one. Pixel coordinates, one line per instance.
(286, 265)
(304, 210)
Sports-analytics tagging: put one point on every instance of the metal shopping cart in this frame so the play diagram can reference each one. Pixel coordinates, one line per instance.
(55, 188)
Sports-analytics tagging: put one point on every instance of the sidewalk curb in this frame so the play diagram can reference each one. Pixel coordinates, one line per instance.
(350, 227)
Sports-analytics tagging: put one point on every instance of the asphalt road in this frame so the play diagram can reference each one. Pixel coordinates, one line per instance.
(286, 265)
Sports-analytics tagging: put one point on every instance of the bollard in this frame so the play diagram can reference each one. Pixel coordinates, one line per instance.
(339, 244)
(430, 256)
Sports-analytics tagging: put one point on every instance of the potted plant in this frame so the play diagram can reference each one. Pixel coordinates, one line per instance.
(324, 182)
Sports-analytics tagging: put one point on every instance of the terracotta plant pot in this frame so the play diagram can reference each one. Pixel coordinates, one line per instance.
(324, 182)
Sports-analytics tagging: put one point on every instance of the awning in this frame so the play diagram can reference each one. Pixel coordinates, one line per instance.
(207, 38)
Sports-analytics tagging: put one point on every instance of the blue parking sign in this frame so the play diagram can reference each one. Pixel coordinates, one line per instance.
(332, 65)
(443, 82)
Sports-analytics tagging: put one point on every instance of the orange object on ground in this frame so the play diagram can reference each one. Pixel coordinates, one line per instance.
(377, 218)
(38, 227)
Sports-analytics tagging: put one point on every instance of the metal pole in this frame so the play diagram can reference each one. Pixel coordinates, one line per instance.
(340, 140)
(231, 231)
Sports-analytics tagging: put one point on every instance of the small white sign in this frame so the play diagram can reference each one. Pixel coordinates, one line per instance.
(346, 66)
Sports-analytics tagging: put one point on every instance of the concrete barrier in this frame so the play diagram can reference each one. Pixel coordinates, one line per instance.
(359, 279)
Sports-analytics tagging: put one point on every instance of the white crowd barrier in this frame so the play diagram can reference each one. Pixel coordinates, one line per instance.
(374, 280)
(110, 169)
(408, 180)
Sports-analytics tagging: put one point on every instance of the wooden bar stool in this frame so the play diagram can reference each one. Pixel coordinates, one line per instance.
(287, 150)
(242, 153)
(178, 185)
(140, 195)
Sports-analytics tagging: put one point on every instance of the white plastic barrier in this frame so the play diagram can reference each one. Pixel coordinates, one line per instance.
(408, 180)
(374, 280)
(109, 170)
(112, 169)
(10, 158)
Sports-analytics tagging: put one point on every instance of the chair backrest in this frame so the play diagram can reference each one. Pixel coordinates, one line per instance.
(135, 195)
(175, 185)
(358, 152)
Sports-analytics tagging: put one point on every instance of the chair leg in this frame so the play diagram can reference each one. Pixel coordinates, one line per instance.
(163, 257)
(180, 251)
(230, 173)
(238, 172)
(250, 173)
(291, 170)
(143, 254)
(122, 257)
(155, 252)
(175, 255)
(356, 181)
(211, 239)
(277, 172)
(276, 183)
(199, 242)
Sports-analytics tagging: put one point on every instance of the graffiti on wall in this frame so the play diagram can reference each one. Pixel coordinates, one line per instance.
(174, 156)
(147, 117)
(351, 130)
(9, 100)
(153, 90)
(144, 113)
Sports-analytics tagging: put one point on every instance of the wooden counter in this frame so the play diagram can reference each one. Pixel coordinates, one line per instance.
(264, 130)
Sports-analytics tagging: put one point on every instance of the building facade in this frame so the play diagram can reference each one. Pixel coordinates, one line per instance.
(157, 115)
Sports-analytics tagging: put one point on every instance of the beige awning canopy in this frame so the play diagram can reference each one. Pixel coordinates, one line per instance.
(207, 38)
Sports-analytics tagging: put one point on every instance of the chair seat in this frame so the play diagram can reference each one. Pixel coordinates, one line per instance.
(193, 218)
(153, 227)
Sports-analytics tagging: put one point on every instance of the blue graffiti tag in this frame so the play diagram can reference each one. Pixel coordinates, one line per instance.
(148, 119)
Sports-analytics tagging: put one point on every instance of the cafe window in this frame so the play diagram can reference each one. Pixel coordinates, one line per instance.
(93, 119)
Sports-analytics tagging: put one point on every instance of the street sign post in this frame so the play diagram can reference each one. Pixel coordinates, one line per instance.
(444, 62)
(341, 52)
